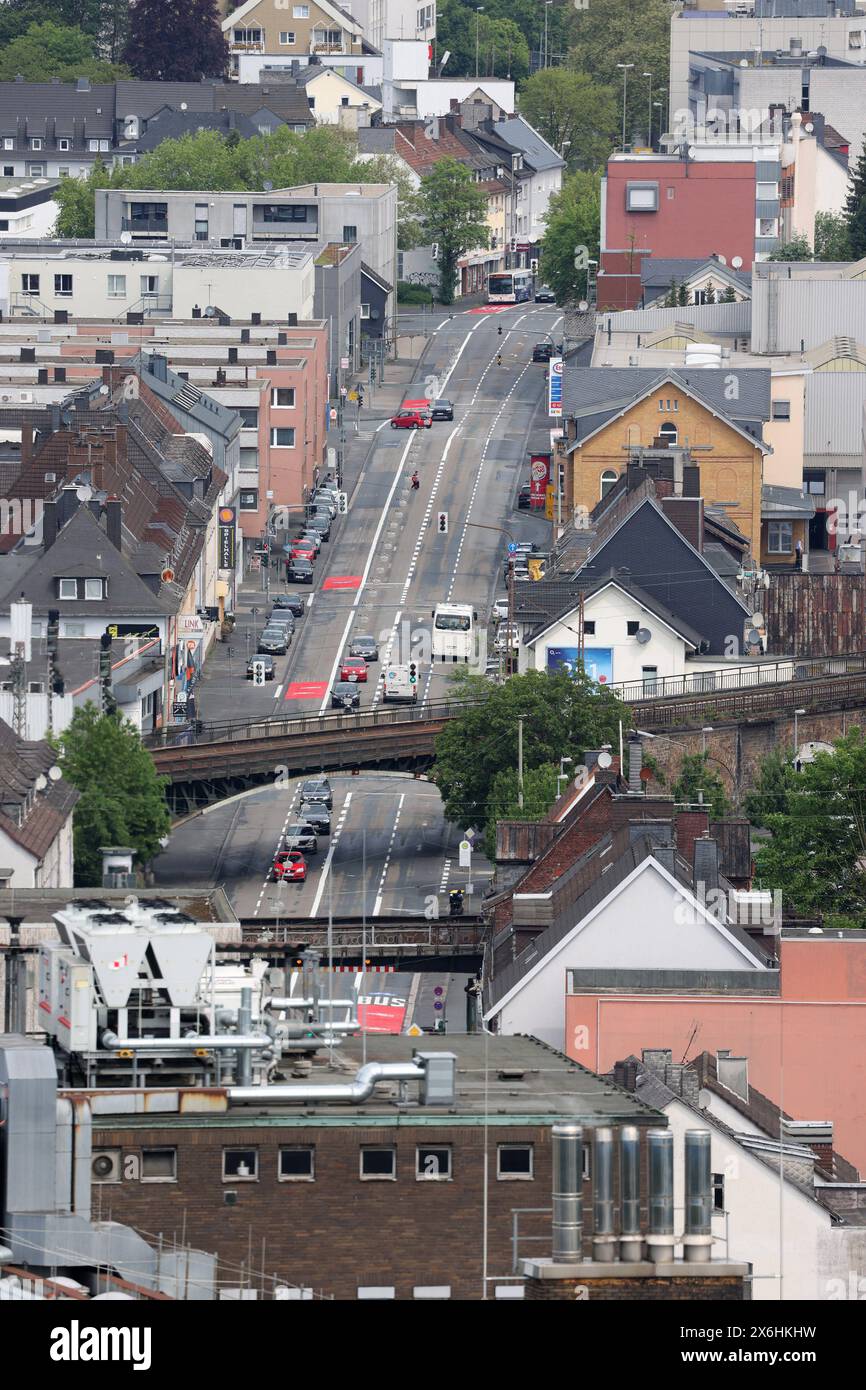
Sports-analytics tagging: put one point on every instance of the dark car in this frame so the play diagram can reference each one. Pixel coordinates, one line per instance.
(442, 410)
(345, 695)
(544, 295)
(542, 352)
(367, 647)
(275, 640)
(316, 814)
(280, 617)
(317, 789)
(523, 497)
(301, 836)
(268, 662)
(289, 603)
(299, 571)
(320, 525)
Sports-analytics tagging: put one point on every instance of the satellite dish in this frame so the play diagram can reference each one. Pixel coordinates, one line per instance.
(54, 773)
(126, 238)
(736, 262)
(210, 312)
(583, 306)
(41, 782)
(722, 260)
(604, 759)
(744, 62)
(753, 637)
(809, 128)
(644, 635)
(268, 185)
(757, 619)
(183, 106)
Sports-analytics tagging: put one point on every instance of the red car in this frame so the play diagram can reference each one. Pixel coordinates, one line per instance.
(353, 669)
(290, 865)
(305, 548)
(411, 420)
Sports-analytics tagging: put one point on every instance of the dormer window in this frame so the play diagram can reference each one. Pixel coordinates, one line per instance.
(93, 589)
(67, 588)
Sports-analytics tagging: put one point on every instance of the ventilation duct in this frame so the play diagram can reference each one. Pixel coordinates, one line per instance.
(567, 1142)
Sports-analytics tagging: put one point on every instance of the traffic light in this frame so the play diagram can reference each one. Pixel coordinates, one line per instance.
(342, 503)
(413, 673)
(434, 251)
(442, 523)
(259, 676)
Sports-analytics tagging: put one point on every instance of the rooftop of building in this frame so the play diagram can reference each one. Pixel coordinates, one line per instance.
(36, 906)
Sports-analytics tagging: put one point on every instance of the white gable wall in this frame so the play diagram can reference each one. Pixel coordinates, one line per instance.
(611, 610)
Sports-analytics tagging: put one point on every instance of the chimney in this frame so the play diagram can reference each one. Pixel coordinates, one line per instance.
(67, 504)
(49, 524)
(159, 366)
(567, 1146)
(26, 441)
(114, 521)
(255, 317)
(292, 320)
(660, 1233)
(665, 854)
(635, 763)
(604, 1242)
(631, 1240)
(733, 1073)
(698, 1238)
(706, 866)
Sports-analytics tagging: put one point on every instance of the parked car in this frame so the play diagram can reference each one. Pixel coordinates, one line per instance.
(523, 497)
(281, 617)
(301, 836)
(321, 525)
(321, 502)
(353, 669)
(275, 640)
(290, 865)
(299, 570)
(307, 548)
(314, 538)
(317, 814)
(500, 609)
(345, 695)
(269, 666)
(292, 603)
(442, 410)
(544, 295)
(411, 420)
(317, 789)
(367, 647)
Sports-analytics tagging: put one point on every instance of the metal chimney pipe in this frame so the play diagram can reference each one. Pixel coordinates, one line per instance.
(245, 1025)
(698, 1238)
(631, 1239)
(660, 1236)
(603, 1240)
(567, 1143)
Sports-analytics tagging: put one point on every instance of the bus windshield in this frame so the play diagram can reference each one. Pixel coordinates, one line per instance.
(500, 284)
(452, 622)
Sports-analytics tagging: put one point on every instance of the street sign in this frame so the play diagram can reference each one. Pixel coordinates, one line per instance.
(471, 835)
(353, 396)
(513, 547)
(554, 406)
(465, 854)
(414, 1031)
(438, 1004)
(438, 990)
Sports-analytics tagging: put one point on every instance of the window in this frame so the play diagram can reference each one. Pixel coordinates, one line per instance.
(365, 311)
(117, 286)
(514, 1162)
(431, 1291)
(67, 588)
(781, 410)
(249, 460)
(248, 35)
(668, 432)
(283, 212)
(36, 143)
(300, 12)
(608, 481)
(249, 416)
(814, 484)
(376, 1291)
(159, 1165)
(249, 500)
(63, 286)
(99, 146)
(36, 171)
(350, 233)
(8, 144)
(73, 629)
(93, 588)
(287, 36)
(379, 1164)
(632, 628)
(283, 396)
(149, 284)
(780, 537)
(642, 197)
(718, 1192)
(201, 221)
(282, 438)
(64, 144)
(589, 627)
(297, 1164)
(766, 191)
(344, 101)
(767, 226)
(8, 171)
(433, 1164)
(63, 170)
(240, 1165)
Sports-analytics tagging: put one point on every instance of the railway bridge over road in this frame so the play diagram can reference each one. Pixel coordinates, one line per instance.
(220, 760)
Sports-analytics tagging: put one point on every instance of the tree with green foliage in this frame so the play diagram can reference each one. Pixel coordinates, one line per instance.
(831, 237)
(75, 201)
(728, 295)
(540, 790)
(772, 790)
(453, 212)
(573, 219)
(710, 293)
(682, 295)
(203, 160)
(384, 168)
(48, 50)
(171, 42)
(797, 249)
(606, 33)
(671, 299)
(502, 46)
(122, 798)
(855, 207)
(569, 106)
(696, 776)
(818, 845)
(562, 717)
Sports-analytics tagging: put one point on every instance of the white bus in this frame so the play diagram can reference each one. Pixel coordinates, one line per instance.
(453, 632)
(509, 286)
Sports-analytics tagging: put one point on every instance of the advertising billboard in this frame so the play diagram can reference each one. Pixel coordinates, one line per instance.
(597, 661)
(539, 477)
(554, 387)
(227, 538)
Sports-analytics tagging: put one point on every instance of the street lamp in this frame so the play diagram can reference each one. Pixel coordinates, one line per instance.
(565, 145)
(660, 105)
(707, 730)
(625, 67)
(797, 713)
(479, 10)
(649, 108)
(547, 5)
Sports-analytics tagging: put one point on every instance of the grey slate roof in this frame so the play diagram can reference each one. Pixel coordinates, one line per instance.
(785, 503)
(592, 395)
(173, 125)
(596, 585)
(536, 151)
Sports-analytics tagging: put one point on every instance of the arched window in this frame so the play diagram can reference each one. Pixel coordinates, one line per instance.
(608, 481)
(668, 432)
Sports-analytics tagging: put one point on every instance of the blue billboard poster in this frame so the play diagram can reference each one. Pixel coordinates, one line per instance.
(597, 661)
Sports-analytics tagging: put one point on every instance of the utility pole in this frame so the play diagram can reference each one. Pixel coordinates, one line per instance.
(520, 762)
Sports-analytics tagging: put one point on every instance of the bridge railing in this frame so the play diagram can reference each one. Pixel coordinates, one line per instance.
(785, 671)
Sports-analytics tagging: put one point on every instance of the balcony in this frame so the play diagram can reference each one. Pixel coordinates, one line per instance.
(254, 46)
(145, 226)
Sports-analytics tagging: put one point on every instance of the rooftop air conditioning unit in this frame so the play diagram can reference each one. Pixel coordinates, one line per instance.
(105, 1165)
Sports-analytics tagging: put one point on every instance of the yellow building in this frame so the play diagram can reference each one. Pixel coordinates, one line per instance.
(307, 30)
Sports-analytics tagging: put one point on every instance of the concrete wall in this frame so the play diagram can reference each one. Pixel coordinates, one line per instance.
(784, 466)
